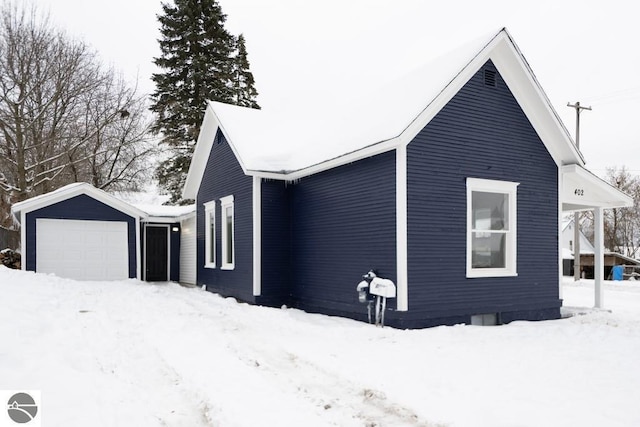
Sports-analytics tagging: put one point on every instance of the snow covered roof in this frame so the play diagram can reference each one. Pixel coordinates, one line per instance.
(567, 253)
(292, 144)
(148, 212)
(73, 190)
(163, 213)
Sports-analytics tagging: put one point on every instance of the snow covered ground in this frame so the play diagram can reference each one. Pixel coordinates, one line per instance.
(137, 354)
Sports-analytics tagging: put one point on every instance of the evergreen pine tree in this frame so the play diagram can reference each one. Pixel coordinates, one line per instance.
(197, 55)
(244, 90)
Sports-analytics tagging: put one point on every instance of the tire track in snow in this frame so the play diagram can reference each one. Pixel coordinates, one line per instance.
(320, 393)
(126, 352)
(321, 387)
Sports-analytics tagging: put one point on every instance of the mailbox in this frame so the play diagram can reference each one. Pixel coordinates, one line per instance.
(382, 287)
(363, 291)
(372, 287)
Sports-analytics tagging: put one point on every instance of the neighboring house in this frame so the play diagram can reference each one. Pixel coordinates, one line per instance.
(587, 252)
(84, 233)
(451, 183)
(567, 247)
(611, 259)
(568, 235)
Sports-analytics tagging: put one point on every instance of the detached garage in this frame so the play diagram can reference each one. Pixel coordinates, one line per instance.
(82, 233)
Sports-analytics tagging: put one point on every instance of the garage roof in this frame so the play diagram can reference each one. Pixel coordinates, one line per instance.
(73, 190)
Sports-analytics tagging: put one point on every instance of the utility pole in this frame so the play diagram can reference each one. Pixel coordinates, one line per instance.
(576, 219)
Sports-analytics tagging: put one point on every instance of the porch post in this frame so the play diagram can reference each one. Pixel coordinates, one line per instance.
(598, 256)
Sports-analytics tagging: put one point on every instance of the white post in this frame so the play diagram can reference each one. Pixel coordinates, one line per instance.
(401, 229)
(560, 240)
(257, 236)
(598, 256)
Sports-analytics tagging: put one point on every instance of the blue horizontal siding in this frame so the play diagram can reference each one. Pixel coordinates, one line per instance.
(276, 243)
(223, 176)
(81, 207)
(343, 225)
(482, 133)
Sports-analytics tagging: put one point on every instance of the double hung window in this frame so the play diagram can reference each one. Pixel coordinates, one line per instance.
(210, 234)
(491, 228)
(228, 238)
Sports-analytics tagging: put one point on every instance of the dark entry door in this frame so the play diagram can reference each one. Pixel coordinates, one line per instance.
(157, 252)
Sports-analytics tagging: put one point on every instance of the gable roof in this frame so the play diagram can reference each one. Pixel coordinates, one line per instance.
(73, 190)
(293, 144)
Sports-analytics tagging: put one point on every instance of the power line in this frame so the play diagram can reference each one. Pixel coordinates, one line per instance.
(620, 95)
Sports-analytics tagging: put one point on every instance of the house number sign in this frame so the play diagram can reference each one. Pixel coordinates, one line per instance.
(579, 192)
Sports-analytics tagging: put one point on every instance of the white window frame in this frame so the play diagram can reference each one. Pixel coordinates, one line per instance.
(210, 234)
(228, 259)
(500, 187)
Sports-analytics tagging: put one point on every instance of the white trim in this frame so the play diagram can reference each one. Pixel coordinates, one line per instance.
(138, 249)
(401, 230)
(560, 233)
(168, 229)
(371, 150)
(23, 241)
(582, 190)
(257, 236)
(163, 219)
(200, 157)
(209, 209)
(225, 203)
(510, 63)
(73, 190)
(502, 187)
(227, 200)
(188, 252)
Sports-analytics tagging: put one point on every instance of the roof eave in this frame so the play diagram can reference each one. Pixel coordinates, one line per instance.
(582, 190)
(73, 190)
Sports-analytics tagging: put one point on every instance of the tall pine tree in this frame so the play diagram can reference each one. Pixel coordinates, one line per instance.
(199, 60)
(244, 90)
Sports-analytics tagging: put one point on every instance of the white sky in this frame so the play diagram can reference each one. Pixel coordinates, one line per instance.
(580, 50)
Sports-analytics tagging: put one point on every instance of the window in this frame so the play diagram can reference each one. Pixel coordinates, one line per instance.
(210, 234)
(491, 228)
(228, 240)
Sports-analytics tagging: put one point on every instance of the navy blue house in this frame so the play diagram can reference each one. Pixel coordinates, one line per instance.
(451, 184)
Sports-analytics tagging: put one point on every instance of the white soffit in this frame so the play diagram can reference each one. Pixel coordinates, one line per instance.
(582, 190)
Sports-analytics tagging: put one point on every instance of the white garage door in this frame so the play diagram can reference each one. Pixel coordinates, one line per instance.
(82, 250)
